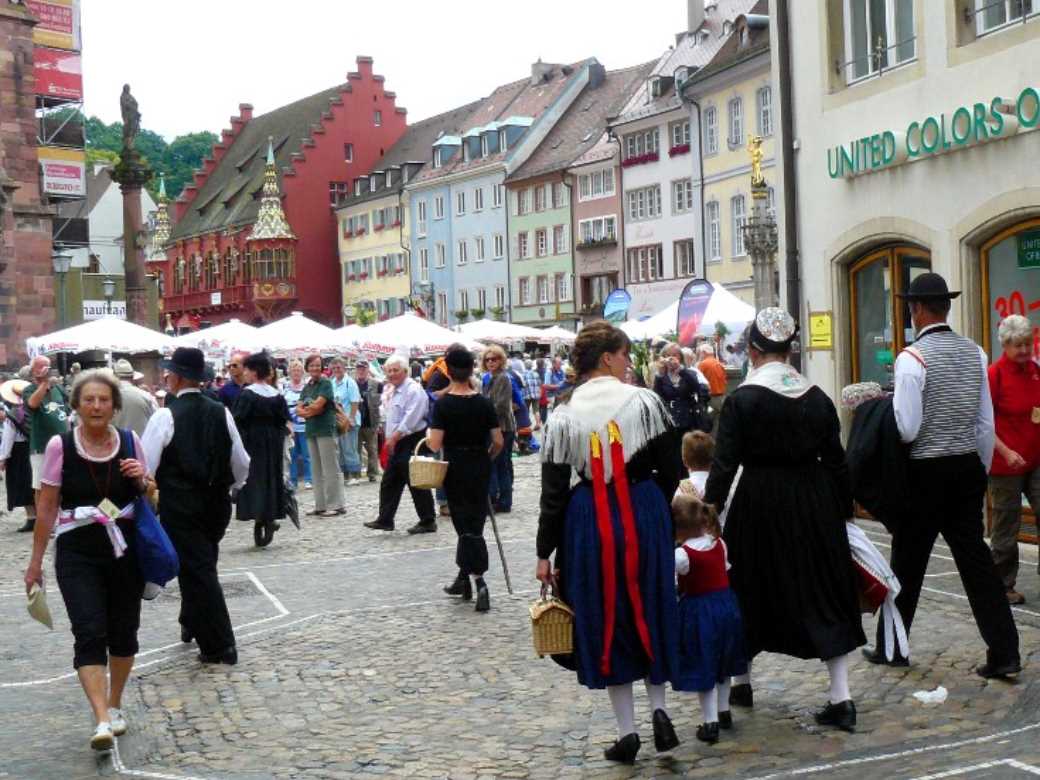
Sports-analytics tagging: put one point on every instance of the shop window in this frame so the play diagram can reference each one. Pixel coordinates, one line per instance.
(1011, 281)
(881, 325)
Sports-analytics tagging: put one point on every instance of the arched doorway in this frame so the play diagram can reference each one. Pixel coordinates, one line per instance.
(1011, 281)
(880, 321)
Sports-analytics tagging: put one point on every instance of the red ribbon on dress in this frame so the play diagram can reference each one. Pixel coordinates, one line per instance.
(606, 536)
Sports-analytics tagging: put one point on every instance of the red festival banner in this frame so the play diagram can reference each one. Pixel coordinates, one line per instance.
(693, 302)
(59, 74)
(58, 23)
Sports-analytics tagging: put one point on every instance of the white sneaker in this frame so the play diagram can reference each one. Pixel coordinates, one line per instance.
(354, 482)
(102, 739)
(118, 721)
(307, 486)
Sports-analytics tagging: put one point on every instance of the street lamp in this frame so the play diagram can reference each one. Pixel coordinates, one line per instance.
(109, 286)
(62, 262)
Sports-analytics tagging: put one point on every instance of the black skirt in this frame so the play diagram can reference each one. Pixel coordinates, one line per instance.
(19, 477)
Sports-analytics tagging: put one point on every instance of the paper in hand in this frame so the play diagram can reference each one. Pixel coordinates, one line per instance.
(37, 606)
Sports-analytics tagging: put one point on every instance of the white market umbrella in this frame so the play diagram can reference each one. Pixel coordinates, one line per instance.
(221, 340)
(297, 334)
(502, 332)
(727, 308)
(653, 327)
(409, 334)
(109, 335)
(556, 333)
(348, 335)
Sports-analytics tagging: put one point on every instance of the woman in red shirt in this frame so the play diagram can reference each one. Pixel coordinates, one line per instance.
(1014, 382)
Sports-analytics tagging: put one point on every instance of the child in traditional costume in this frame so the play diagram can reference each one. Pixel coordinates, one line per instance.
(711, 633)
(698, 448)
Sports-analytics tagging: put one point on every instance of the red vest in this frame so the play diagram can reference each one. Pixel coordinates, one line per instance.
(707, 571)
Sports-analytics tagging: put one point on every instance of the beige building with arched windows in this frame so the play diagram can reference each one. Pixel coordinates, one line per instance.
(915, 148)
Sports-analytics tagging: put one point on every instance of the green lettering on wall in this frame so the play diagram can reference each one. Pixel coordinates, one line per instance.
(1028, 94)
(911, 150)
(888, 147)
(998, 118)
(962, 119)
(979, 122)
(926, 145)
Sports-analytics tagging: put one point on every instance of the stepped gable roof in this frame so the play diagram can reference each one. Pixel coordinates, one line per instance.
(516, 99)
(584, 123)
(413, 146)
(733, 53)
(693, 50)
(230, 195)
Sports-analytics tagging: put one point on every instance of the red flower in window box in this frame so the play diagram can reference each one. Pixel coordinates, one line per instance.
(377, 228)
(381, 274)
(351, 277)
(396, 223)
(364, 276)
(641, 159)
(359, 232)
(675, 151)
(348, 234)
(384, 317)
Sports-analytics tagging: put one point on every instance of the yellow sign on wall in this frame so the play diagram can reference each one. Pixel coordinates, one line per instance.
(821, 330)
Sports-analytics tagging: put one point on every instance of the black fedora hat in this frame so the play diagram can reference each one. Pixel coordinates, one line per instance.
(187, 362)
(928, 287)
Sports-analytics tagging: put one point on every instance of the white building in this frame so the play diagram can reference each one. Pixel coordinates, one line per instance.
(916, 152)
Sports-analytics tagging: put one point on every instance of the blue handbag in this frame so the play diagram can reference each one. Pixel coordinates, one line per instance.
(156, 556)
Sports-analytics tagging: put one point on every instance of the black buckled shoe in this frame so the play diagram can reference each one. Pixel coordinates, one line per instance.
(1000, 671)
(665, 738)
(461, 587)
(742, 696)
(423, 528)
(228, 656)
(186, 636)
(726, 720)
(624, 750)
(708, 732)
(842, 715)
(877, 656)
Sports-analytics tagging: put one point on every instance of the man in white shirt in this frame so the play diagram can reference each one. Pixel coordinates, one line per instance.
(138, 407)
(943, 410)
(193, 449)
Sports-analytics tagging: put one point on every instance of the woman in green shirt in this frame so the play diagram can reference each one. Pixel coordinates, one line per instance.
(317, 407)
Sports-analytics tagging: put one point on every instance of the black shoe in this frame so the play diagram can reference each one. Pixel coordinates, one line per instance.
(877, 656)
(28, 525)
(842, 715)
(664, 733)
(263, 533)
(186, 636)
(229, 657)
(461, 587)
(991, 670)
(375, 525)
(708, 732)
(483, 598)
(742, 696)
(726, 720)
(423, 528)
(501, 510)
(624, 750)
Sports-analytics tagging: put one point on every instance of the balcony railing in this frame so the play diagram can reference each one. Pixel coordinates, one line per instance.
(595, 243)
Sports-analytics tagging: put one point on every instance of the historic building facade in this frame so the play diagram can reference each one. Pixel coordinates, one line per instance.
(319, 145)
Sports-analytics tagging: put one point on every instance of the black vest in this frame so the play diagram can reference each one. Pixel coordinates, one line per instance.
(195, 467)
(85, 483)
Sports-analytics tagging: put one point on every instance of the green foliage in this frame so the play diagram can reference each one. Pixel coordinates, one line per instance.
(498, 313)
(462, 315)
(177, 160)
(365, 316)
(721, 331)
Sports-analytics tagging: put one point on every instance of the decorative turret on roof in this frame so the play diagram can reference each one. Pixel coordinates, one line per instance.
(271, 223)
(157, 250)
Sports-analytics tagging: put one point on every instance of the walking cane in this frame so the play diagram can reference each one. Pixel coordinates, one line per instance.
(498, 541)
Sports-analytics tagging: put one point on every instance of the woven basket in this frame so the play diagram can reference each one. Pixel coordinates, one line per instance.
(426, 473)
(552, 624)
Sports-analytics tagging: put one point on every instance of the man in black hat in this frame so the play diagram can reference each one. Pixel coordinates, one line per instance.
(194, 451)
(944, 412)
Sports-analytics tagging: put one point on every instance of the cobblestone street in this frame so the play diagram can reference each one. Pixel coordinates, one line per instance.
(352, 663)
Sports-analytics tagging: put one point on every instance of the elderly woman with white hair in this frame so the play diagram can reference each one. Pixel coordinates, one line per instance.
(1014, 382)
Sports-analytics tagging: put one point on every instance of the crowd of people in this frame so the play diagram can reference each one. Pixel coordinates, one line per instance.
(692, 512)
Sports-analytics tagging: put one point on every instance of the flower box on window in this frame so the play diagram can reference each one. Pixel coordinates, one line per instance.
(377, 228)
(364, 276)
(381, 274)
(641, 159)
(351, 277)
(592, 243)
(675, 151)
(384, 316)
(396, 223)
(348, 234)
(359, 232)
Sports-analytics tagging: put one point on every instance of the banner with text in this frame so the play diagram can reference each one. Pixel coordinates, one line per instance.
(615, 308)
(58, 23)
(693, 302)
(63, 171)
(59, 74)
(98, 310)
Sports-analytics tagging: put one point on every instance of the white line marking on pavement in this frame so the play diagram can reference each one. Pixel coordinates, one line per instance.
(120, 767)
(963, 770)
(943, 574)
(812, 770)
(270, 597)
(965, 598)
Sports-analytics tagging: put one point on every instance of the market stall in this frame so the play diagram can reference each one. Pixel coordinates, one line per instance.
(409, 334)
(503, 332)
(110, 335)
(218, 342)
(298, 335)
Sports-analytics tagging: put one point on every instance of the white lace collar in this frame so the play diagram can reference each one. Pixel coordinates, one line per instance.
(262, 389)
(82, 452)
(781, 378)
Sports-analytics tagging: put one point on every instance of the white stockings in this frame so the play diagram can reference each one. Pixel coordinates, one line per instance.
(838, 668)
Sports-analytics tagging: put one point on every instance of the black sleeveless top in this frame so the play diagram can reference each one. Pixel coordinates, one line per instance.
(86, 483)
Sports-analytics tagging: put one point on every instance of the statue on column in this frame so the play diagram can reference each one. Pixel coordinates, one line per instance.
(754, 148)
(131, 117)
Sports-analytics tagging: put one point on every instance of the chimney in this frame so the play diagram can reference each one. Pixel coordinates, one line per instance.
(541, 72)
(694, 15)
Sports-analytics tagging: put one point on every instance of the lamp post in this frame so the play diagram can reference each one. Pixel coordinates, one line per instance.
(62, 262)
(109, 286)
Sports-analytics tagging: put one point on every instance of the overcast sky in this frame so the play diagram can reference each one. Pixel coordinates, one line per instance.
(192, 62)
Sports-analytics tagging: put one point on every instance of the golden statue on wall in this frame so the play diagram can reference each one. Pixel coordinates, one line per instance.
(758, 182)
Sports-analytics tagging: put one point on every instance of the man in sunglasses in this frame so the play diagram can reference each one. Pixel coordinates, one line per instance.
(229, 393)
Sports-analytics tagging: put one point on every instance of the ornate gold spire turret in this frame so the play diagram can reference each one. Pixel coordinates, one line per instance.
(161, 235)
(271, 222)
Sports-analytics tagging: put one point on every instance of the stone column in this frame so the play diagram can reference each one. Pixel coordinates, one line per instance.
(760, 240)
(132, 174)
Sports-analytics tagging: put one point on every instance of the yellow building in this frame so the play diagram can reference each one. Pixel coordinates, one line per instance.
(734, 96)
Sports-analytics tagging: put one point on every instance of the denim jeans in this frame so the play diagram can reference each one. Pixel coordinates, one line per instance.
(349, 462)
(299, 459)
(501, 487)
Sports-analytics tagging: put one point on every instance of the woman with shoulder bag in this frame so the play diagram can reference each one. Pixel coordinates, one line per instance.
(91, 477)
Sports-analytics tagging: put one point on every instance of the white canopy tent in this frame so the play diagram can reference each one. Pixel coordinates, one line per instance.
(723, 306)
(502, 332)
(221, 340)
(556, 333)
(409, 334)
(653, 327)
(296, 334)
(108, 335)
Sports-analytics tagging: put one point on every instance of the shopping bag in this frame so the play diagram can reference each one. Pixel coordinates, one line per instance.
(156, 556)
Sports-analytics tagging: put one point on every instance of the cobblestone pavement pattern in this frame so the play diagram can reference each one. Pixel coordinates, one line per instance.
(354, 664)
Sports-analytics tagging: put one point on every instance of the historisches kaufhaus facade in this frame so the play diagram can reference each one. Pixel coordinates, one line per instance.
(915, 148)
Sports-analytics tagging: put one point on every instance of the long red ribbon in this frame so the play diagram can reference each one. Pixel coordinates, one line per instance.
(606, 536)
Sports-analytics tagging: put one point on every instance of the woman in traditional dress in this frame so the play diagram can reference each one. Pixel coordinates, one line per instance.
(785, 531)
(262, 417)
(612, 534)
